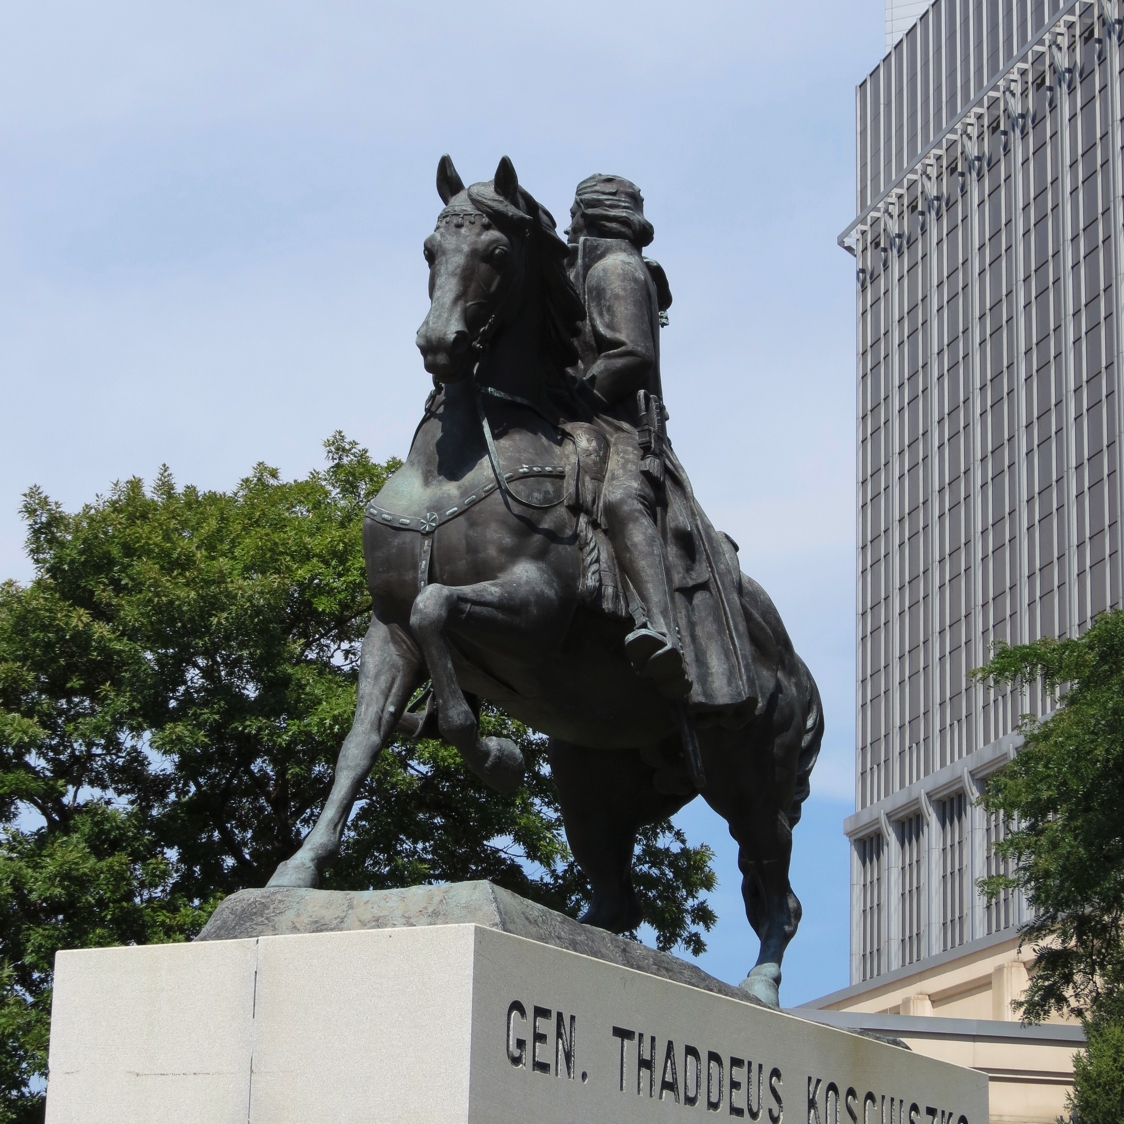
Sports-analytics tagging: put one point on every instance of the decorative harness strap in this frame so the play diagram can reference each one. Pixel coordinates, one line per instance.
(428, 523)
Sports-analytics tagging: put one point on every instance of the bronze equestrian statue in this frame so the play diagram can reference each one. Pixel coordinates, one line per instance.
(541, 549)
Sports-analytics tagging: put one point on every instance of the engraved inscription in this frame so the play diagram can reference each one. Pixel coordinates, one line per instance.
(528, 1040)
(544, 1040)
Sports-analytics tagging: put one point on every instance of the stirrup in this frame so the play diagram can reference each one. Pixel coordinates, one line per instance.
(642, 644)
(653, 656)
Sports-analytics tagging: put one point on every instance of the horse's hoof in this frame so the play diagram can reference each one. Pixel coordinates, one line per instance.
(622, 917)
(297, 873)
(764, 983)
(503, 767)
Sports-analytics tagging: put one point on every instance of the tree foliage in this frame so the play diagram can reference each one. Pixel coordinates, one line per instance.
(175, 683)
(1064, 797)
(1098, 1072)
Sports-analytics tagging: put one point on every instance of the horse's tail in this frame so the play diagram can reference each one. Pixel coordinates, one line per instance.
(809, 744)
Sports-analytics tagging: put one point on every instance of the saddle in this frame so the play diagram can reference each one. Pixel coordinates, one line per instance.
(603, 585)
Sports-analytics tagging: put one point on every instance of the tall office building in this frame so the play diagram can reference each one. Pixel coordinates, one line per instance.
(989, 258)
(901, 15)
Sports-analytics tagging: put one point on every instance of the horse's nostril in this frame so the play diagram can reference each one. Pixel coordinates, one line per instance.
(459, 343)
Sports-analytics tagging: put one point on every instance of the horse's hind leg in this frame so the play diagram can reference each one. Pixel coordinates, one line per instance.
(772, 908)
(606, 797)
(751, 787)
(390, 669)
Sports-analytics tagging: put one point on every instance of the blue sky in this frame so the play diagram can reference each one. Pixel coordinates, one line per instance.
(211, 219)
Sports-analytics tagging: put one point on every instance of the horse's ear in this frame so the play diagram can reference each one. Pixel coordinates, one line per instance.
(506, 182)
(448, 182)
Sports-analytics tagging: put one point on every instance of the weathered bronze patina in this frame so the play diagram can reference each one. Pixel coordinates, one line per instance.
(542, 549)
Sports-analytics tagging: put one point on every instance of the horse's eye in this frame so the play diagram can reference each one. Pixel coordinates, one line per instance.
(498, 256)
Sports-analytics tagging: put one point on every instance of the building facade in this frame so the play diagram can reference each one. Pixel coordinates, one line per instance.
(989, 258)
(901, 15)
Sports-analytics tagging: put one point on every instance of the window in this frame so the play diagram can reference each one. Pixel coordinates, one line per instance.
(956, 924)
(870, 861)
(1001, 911)
(913, 852)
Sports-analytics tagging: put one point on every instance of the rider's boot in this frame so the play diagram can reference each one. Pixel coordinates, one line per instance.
(653, 648)
(654, 656)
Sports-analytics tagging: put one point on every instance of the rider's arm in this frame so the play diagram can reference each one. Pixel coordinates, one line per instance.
(618, 303)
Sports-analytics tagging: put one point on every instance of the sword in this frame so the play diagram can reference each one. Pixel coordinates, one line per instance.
(691, 747)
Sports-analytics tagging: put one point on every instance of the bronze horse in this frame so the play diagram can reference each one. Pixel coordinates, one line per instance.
(476, 574)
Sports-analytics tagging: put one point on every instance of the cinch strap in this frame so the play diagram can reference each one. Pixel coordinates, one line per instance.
(423, 561)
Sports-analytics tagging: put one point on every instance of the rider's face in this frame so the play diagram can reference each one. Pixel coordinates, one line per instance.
(577, 225)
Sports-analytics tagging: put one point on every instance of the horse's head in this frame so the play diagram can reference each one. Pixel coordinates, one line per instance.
(494, 258)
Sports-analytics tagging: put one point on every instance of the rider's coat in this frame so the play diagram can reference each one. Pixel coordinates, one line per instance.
(619, 344)
(731, 675)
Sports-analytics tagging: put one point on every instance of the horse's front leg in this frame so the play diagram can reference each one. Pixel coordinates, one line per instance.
(390, 669)
(517, 614)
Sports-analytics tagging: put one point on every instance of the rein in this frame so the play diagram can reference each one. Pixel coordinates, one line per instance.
(480, 347)
(493, 453)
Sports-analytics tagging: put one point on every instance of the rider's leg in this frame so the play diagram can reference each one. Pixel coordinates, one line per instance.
(606, 796)
(521, 611)
(390, 670)
(629, 511)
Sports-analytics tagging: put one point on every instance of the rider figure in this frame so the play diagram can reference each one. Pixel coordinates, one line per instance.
(620, 363)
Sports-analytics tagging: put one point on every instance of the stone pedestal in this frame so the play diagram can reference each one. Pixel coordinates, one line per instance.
(452, 1022)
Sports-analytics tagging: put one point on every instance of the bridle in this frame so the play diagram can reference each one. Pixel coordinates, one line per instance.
(478, 348)
(477, 353)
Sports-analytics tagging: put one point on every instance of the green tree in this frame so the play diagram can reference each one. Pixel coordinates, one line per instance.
(1063, 796)
(1098, 1072)
(175, 683)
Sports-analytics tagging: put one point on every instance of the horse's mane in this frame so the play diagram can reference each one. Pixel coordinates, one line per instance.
(563, 311)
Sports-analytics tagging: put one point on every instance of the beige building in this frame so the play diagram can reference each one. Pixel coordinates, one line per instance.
(956, 1006)
(989, 247)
